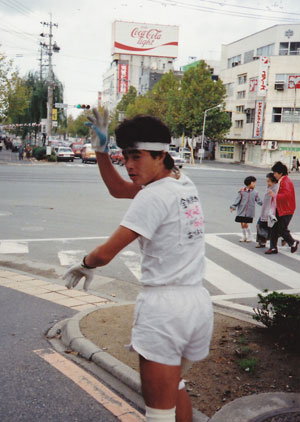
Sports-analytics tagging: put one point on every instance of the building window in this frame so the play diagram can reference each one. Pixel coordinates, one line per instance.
(240, 108)
(285, 115)
(234, 61)
(266, 50)
(229, 89)
(250, 113)
(289, 48)
(226, 151)
(242, 79)
(241, 94)
(238, 124)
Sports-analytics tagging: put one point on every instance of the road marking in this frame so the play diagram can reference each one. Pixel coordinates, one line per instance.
(56, 239)
(132, 263)
(226, 281)
(103, 395)
(260, 263)
(68, 258)
(13, 246)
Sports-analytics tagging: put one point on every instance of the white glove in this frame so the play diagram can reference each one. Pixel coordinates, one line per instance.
(99, 133)
(75, 274)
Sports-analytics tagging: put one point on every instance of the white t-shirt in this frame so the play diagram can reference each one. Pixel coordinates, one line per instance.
(167, 215)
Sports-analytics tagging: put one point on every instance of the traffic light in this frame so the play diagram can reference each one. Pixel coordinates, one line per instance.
(84, 106)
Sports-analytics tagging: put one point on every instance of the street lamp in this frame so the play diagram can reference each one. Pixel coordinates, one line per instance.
(203, 128)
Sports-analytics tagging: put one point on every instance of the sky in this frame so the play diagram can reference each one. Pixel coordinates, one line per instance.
(84, 32)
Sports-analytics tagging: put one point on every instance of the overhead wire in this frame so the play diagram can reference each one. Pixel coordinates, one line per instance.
(193, 6)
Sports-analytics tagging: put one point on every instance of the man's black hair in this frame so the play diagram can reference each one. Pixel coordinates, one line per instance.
(141, 129)
(249, 179)
(271, 177)
(280, 168)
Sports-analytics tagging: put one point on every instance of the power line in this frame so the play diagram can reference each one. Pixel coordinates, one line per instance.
(206, 9)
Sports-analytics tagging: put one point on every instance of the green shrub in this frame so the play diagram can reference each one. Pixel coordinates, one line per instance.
(280, 312)
(39, 153)
(52, 157)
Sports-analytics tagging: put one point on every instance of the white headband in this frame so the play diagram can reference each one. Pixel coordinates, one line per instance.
(151, 146)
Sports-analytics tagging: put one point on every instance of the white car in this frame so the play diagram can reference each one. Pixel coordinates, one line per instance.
(179, 161)
(64, 154)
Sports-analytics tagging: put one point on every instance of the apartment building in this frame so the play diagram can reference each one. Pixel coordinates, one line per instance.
(261, 74)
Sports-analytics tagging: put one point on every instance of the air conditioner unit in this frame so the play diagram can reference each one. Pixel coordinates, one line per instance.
(279, 85)
(272, 145)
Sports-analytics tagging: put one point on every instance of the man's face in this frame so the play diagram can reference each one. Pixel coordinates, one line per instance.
(277, 175)
(142, 168)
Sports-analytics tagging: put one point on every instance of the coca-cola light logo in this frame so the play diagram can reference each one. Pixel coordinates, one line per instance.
(146, 37)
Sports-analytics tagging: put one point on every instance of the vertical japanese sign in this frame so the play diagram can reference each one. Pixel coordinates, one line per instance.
(123, 79)
(258, 121)
(262, 77)
(253, 84)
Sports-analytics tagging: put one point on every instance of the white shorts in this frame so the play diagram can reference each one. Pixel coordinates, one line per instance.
(172, 322)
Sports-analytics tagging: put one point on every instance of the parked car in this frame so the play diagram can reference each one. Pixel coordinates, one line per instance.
(117, 157)
(88, 154)
(76, 148)
(179, 161)
(64, 154)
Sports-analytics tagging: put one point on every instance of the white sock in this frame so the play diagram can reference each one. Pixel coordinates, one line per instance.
(160, 415)
(249, 234)
(244, 233)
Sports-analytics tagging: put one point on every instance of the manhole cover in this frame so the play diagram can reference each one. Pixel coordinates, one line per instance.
(283, 415)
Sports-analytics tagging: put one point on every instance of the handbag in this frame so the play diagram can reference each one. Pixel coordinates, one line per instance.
(271, 220)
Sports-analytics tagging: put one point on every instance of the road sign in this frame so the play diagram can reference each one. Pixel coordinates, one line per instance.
(61, 105)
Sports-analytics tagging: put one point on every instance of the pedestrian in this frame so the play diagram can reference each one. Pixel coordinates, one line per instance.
(295, 163)
(285, 208)
(268, 212)
(245, 207)
(21, 152)
(28, 151)
(173, 313)
(298, 165)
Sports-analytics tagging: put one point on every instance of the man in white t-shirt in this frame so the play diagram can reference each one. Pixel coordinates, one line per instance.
(173, 318)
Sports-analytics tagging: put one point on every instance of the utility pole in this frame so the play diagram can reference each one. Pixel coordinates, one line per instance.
(49, 49)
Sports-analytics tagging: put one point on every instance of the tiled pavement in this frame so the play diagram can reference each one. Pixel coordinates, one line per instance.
(74, 299)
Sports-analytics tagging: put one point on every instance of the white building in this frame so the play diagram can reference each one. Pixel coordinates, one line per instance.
(137, 48)
(261, 73)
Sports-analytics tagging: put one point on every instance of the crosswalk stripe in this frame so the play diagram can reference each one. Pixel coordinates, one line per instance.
(67, 258)
(226, 281)
(13, 246)
(269, 267)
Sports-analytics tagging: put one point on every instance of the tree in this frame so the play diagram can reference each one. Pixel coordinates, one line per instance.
(198, 93)
(17, 97)
(5, 71)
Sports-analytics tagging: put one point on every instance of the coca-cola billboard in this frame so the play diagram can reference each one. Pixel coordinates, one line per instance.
(144, 39)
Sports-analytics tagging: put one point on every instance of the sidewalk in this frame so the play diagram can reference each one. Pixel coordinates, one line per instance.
(265, 407)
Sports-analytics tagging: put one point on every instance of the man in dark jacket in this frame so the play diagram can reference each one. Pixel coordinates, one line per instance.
(285, 208)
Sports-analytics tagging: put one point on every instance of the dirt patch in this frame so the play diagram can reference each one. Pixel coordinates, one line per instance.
(243, 358)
